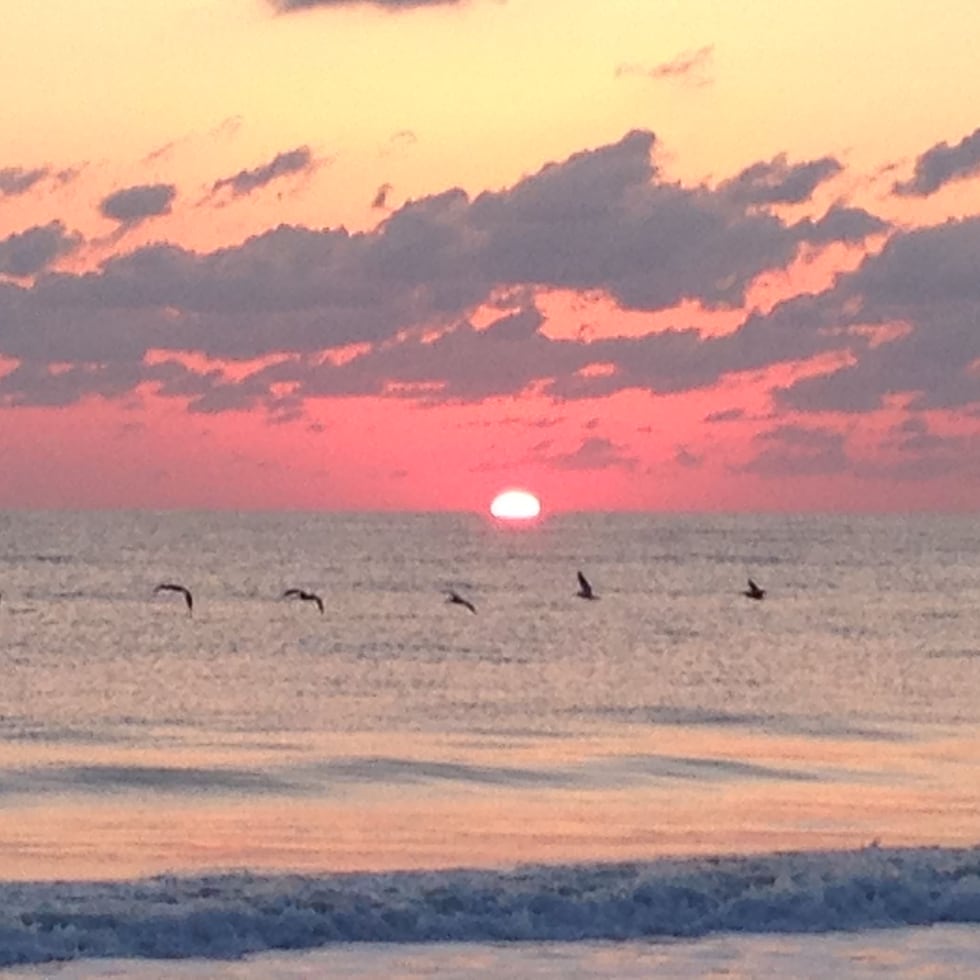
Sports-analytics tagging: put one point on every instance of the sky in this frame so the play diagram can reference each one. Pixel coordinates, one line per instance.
(664, 255)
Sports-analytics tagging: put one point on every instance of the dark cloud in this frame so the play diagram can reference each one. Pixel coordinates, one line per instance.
(942, 164)
(684, 457)
(211, 391)
(841, 224)
(594, 453)
(794, 450)
(691, 67)
(726, 415)
(380, 199)
(928, 281)
(285, 164)
(290, 6)
(914, 435)
(31, 383)
(514, 355)
(601, 220)
(777, 181)
(19, 180)
(919, 453)
(27, 253)
(683, 359)
(463, 364)
(132, 205)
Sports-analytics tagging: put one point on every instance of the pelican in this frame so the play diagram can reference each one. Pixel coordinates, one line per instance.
(754, 592)
(305, 596)
(173, 587)
(458, 600)
(585, 588)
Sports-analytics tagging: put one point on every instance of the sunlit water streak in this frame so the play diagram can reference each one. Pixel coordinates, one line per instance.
(672, 717)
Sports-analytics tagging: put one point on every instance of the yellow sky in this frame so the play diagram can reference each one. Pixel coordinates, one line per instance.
(489, 90)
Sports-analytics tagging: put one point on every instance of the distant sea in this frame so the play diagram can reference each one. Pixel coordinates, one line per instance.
(673, 779)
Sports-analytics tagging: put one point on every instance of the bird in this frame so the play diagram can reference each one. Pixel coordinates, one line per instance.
(305, 596)
(754, 592)
(458, 600)
(585, 588)
(173, 587)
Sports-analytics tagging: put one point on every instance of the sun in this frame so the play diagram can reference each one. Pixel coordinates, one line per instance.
(515, 505)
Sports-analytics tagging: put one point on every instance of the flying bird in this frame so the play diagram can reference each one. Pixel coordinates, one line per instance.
(754, 592)
(585, 588)
(173, 587)
(305, 596)
(458, 600)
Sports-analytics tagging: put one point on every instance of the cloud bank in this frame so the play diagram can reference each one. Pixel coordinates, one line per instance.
(401, 301)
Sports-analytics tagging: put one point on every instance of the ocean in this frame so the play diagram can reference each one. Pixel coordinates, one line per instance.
(673, 779)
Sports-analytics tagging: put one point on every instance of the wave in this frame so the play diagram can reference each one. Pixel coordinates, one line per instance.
(230, 915)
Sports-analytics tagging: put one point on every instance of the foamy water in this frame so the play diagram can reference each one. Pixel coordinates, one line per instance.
(188, 786)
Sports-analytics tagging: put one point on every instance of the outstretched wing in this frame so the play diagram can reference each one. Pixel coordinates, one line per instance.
(456, 598)
(174, 587)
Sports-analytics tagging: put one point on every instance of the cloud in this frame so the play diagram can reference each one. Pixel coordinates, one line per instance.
(690, 67)
(284, 164)
(399, 141)
(794, 450)
(380, 199)
(290, 6)
(514, 355)
(923, 453)
(942, 164)
(604, 219)
(684, 457)
(842, 224)
(36, 384)
(28, 252)
(19, 180)
(926, 280)
(131, 205)
(594, 453)
(777, 181)
(726, 415)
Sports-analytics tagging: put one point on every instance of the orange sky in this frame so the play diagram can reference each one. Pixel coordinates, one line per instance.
(666, 256)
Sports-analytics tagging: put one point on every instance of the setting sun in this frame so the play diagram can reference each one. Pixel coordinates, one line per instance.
(515, 505)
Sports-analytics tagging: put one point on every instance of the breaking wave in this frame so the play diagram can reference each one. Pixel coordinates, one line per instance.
(230, 915)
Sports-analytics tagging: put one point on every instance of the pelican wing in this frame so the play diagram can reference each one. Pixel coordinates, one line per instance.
(174, 587)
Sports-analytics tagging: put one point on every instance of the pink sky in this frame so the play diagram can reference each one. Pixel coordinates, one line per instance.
(325, 254)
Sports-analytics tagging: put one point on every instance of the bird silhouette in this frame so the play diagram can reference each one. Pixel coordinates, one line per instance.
(754, 592)
(305, 596)
(585, 588)
(173, 587)
(458, 600)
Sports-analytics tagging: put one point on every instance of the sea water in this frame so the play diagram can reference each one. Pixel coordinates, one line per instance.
(672, 774)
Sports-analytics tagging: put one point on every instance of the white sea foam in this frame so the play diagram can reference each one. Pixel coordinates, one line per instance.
(228, 916)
